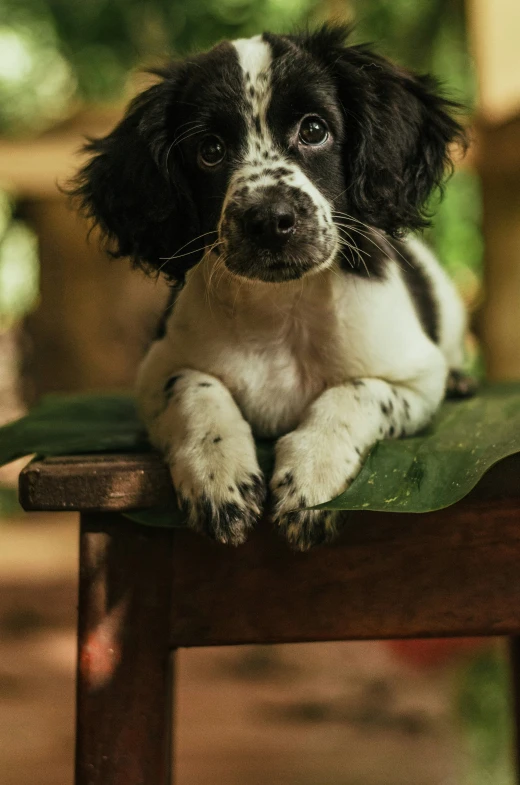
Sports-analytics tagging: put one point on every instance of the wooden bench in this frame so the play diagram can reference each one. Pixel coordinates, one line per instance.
(144, 592)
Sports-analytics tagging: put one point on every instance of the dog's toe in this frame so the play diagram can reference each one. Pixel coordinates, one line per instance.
(305, 528)
(229, 515)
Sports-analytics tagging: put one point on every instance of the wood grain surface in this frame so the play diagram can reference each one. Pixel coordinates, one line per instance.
(124, 700)
(90, 483)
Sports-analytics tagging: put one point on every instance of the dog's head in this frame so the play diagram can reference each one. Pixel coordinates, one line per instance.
(271, 151)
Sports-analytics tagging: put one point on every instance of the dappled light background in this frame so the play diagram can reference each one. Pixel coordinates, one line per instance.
(346, 714)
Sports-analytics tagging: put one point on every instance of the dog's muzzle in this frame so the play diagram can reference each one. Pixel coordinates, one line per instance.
(273, 234)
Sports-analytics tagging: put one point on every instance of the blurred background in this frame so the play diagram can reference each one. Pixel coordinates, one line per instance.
(416, 713)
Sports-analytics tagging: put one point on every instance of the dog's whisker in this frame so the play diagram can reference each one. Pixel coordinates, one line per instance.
(341, 193)
(217, 265)
(358, 253)
(359, 250)
(372, 241)
(344, 244)
(187, 253)
(186, 137)
(344, 228)
(199, 237)
(167, 159)
(376, 231)
(180, 139)
(199, 127)
(239, 287)
(190, 123)
(366, 235)
(350, 259)
(223, 269)
(353, 247)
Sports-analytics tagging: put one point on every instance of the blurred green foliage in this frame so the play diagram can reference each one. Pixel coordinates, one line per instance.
(484, 710)
(18, 265)
(63, 48)
(428, 36)
(85, 48)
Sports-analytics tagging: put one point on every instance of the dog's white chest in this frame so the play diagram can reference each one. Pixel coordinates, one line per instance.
(275, 381)
(275, 356)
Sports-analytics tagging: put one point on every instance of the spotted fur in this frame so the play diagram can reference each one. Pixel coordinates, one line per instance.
(302, 317)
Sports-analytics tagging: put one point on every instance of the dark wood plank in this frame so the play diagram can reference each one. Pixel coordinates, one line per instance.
(91, 483)
(124, 660)
(453, 572)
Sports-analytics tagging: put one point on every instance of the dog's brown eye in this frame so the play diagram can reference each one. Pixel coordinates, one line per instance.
(212, 151)
(313, 131)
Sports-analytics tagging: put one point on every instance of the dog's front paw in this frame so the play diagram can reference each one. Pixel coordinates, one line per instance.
(219, 486)
(311, 468)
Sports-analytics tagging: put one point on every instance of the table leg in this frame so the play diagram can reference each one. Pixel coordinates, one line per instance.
(514, 653)
(125, 679)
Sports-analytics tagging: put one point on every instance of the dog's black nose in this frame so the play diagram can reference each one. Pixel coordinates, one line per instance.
(270, 225)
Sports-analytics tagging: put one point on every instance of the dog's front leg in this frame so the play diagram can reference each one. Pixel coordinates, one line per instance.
(321, 458)
(193, 419)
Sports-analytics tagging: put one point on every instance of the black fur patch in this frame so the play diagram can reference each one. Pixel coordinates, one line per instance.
(143, 187)
(420, 288)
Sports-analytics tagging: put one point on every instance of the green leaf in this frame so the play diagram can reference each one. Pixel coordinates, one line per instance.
(441, 465)
(75, 424)
(423, 473)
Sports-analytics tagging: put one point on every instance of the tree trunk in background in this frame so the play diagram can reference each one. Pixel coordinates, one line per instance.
(501, 315)
(96, 317)
(494, 26)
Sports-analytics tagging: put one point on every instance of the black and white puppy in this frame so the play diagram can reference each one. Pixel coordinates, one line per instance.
(271, 178)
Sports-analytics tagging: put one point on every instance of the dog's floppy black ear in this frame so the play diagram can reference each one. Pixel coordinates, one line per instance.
(398, 132)
(134, 190)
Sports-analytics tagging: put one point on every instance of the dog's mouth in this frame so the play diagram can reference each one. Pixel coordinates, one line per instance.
(264, 265)
(286, 265)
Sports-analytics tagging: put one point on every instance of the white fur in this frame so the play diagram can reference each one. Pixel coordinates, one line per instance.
(254, 56)
(327, 364)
